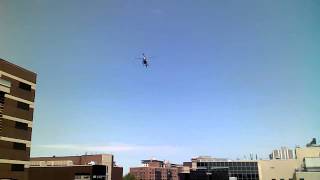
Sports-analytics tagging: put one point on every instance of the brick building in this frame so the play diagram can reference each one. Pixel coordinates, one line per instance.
(97, 159)
(155, 170)
(74, 172)
(17, 94)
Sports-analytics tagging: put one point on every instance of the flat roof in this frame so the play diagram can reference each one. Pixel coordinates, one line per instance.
(18, 67)
(145, 161)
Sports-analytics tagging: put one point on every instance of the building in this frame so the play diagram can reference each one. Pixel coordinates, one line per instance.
(241, 170)
(283, 153)
(305, 152)
(194, 161)
(305, 166)
(277, 169)
(117, 173)
(98, 159)
(17, 94)
(215, 174)
(155, 170)
(310, 169)
(69, 172)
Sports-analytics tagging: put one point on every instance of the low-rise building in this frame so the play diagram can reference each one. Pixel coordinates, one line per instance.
(199, 174)
(53, 171)
(305, 166)
(241, 170)
(155, 170)
(277, 169)
(97, 159)
(310, 169)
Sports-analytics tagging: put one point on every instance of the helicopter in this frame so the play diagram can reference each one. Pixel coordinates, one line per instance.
(145, 60)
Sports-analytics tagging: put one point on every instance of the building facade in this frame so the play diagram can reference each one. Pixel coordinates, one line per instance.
(241, 170)
(305, 166)
(117, 173)
(277, 169)
(98, 159)
(310, 169)
(282, 153)
(155, 170)
(215, 174)
(76, 172)
(17, 94)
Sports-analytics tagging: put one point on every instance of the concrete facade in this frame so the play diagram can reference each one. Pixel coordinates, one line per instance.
(305, 166)
(282, 153)
(308, 175)
(277, 169)
(306, 152)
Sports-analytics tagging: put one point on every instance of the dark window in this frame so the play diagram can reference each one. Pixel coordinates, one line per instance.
(17, 167)
(281, 179)
(24, 86)
(23, 106)
(19, 146)
(20, 125)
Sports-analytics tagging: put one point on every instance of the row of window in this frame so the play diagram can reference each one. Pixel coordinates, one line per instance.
(22, 126)
(17, 167)
(23, 106)
(24, 86)
(19, 146)
(238, 168)
(230, 164)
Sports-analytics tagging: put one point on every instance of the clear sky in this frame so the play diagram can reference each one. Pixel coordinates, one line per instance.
(228, 77)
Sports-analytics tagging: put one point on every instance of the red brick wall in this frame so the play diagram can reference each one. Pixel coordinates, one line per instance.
(117, 173)
(151, 173)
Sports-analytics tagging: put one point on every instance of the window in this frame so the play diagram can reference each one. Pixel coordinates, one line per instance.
(281, 179)
(19, 146)
(20, 125)
(24, 86)
(17, 167)
(23, 106)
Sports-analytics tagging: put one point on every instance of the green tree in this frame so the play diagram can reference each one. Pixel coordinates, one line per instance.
(129, 177)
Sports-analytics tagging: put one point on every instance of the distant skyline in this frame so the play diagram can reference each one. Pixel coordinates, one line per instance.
(228, 78)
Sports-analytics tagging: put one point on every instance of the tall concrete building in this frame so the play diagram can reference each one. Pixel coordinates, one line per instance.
(17, 94)
(282, 153)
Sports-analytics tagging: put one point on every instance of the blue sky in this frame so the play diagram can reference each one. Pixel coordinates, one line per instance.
(228, 78)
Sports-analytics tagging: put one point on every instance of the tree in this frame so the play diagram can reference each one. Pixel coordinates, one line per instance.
(129, 176)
